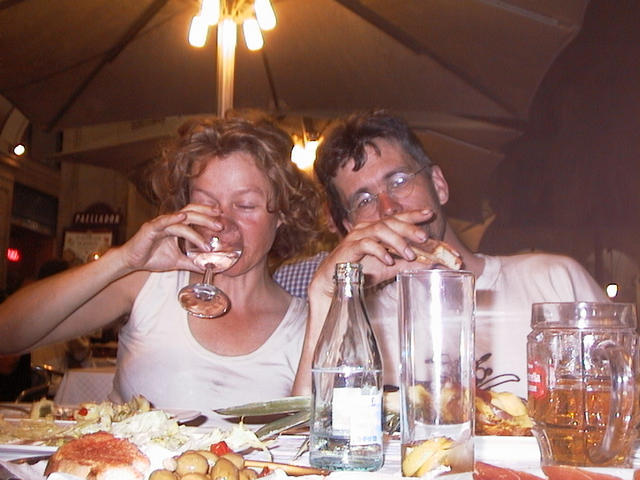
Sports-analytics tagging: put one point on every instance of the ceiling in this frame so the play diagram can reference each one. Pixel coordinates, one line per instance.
(463, 73)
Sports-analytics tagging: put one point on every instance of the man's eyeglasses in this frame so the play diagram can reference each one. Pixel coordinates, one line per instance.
(399, 185)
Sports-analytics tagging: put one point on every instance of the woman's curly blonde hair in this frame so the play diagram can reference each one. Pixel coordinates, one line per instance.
(294, 195)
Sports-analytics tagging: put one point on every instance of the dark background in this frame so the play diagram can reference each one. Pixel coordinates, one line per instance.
(570, 183)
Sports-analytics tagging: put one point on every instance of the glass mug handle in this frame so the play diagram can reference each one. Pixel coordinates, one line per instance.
(621, 403)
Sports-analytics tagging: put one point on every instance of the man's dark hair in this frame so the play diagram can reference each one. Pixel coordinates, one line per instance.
(347, 140)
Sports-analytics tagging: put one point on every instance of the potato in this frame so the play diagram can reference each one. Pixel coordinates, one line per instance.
(247, 474)
(162, 474)
(236, 459)
(194, 476)
(191, 462)
(224, 469)
(211, 457)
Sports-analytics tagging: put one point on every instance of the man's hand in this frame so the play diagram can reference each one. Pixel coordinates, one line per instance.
(371, 244)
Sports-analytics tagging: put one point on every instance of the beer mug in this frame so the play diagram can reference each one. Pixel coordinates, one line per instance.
(582, 360)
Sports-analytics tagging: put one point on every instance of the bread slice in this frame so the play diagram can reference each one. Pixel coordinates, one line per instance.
(99, 456)
(436, 252)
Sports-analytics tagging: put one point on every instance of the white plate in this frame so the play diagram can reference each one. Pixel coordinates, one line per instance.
(182, 416)
(13, 451)
(15, 410)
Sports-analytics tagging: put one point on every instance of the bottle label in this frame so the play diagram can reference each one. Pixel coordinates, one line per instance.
(357, 415)
(536, 380)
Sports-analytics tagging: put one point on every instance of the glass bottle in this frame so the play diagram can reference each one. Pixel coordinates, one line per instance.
(346, 419)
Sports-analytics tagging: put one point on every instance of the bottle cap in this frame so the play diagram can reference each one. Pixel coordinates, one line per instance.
(348, 271)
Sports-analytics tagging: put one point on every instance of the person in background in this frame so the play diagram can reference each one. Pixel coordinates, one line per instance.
(214, 167)
(385, 193)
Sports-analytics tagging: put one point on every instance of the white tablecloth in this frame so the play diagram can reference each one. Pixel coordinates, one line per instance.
(85, 385)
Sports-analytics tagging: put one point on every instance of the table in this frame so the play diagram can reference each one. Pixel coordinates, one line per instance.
(85, 385)
(520, 453)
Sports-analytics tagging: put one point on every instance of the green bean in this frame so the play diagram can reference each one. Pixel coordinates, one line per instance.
(283, 424)
(282, 405)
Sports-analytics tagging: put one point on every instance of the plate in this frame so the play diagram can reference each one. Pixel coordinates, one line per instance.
(15, 410)
(182, 416)
(13, 451)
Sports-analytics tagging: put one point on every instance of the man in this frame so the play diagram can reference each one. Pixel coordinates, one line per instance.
(383, 193)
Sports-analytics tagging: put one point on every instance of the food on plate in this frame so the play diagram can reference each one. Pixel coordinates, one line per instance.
(89, 411)
(99, 456)
(486, 471)
(116, 412)
(565, 472)
(501, 413)
(436, 252)
(42, 409)
(205, 464)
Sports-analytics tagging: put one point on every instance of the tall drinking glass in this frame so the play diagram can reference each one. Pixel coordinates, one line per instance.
(436, 317)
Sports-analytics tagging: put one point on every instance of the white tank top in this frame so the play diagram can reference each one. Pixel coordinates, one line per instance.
(159, 358)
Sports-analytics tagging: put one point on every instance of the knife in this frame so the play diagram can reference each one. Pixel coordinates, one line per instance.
(32, 460)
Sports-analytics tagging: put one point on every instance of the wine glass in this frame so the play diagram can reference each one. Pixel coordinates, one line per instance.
(203, 299)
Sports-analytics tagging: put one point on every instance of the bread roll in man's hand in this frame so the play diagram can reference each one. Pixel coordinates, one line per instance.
(436, 252)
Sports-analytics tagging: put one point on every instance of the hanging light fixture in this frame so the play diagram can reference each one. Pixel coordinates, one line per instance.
(255, 17)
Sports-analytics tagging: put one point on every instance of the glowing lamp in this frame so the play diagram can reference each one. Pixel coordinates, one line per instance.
(252, 34)
(265, 14)
(198, 32)
(210, 11)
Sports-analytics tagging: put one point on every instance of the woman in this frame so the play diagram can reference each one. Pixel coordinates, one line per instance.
(234, 168)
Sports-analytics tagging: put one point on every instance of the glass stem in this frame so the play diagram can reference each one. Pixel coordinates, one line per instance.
(208, 276)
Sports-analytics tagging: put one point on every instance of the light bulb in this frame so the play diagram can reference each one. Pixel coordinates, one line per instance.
(19, 149)
(612, 290)
(311, 146)
(301, 157)
(198, 32)
(210, 11)
(265, 14)
(228, 37)
(252, 34)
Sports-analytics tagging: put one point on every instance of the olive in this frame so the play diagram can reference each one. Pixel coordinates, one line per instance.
(191, 462)
(224, 469)
(211, 457)
(247, 474)
(236, 459)
(162, 474)
(194, 476)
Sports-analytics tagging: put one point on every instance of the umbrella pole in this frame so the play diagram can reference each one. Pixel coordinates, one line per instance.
(226, 64)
